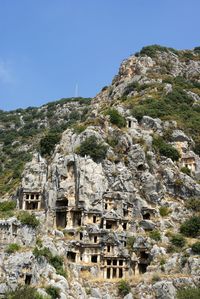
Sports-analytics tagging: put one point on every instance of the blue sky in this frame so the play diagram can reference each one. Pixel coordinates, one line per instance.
(49, 46)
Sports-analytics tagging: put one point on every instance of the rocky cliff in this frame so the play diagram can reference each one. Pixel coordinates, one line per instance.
(107, 204)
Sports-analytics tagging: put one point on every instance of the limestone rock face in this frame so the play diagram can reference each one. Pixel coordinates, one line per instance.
(35, 179)
(99, 215)
(140, 69)
(165, 290)
(109, 220)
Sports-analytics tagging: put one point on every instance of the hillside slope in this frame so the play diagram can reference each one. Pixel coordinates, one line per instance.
(103, 195)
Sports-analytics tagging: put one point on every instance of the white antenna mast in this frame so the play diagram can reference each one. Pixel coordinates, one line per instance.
(76, 91)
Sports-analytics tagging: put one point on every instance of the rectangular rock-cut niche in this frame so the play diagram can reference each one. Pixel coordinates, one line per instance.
(142, 268)
(71, 256)
(121, 262)
(62, 203)
(146, 215)
(61, 219)
(28, 278)
(94, 258)
(76, 218)
(31, 201)
(108, 248)
(124, 226)
(125, 212)
(114, 262)
(31, 205)
(108, 262)
(114, 272)
(108, 273)
(14, 229)
(120, 272)
(110, 224)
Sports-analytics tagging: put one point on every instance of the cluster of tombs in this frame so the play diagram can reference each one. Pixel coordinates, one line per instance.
(99, 233)
(98, 237)
(109, 251)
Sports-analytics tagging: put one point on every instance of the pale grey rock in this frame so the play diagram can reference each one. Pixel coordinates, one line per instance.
(129, 296)
(164, 290)
(151, 123)
(78, 291)
(35, 179)
(194, 96)
(157, 251)
(96, 293)
(168, 88)
(3, 288)
(147, 224)
(171, 264)
(63, 296)
(194, 265)
(181, 282)
(178, 135)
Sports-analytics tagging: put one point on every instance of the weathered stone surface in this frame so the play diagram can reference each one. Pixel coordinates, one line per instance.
(164, 290)
(97, 215)
(96, 293)
(128, 296)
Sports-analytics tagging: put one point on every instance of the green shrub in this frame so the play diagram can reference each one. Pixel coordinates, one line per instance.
(197, 50)
(184, 260)
(12, 248)
(156, 277)
(39, 242)
(178, 240)
(193, 204)
(196, 247)
(176, 105)
(53, 292)
(28, 219)
(104, 88)
(169, 152)
(186, 170)
(152, 49)
(47, 143)
(56, 261)
(155, 235)
(7, 206)
(25, 292)
(116, 118)
(165, 149)
(188, 293)
(112, 141)
(130, 242)
(93, 148)
(7, 209)
(43, 252)
(164, 211)
(124, 288)
(130, 87)
(178, 96)
(171, 249)
(79, 128)
(191, 227)
(40, 296)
